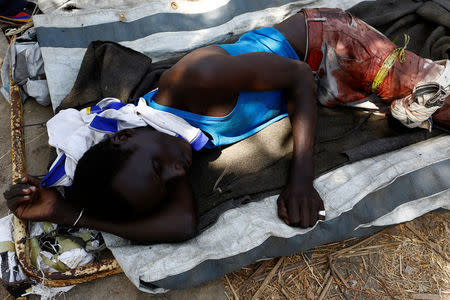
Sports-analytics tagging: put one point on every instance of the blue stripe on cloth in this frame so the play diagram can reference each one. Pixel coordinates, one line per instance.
(103, 124)
(115, 105)
(80, 37)
(94, 109)
(55, 174)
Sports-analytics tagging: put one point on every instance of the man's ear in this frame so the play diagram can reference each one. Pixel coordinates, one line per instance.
(121, 137)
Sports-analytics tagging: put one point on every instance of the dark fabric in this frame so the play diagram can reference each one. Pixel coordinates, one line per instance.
(427, 22)
(111, 70)
(261, 162)
(11, 7)
(424, 182)
(387, 144)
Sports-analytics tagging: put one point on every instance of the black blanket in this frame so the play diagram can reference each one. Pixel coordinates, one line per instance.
(427, 22)
(111, 70)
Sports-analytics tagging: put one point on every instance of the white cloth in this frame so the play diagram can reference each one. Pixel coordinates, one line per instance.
(11, 271)
(25, 59)
(416, 111)
(72, 132)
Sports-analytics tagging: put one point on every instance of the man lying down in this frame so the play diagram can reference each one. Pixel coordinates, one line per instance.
(133, 183)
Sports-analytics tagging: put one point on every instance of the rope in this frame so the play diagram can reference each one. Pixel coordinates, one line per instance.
(398, 53)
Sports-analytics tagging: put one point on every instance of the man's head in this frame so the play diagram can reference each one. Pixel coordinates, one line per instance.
(128, 174)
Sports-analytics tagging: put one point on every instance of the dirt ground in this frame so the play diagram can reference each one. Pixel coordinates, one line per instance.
(409, 261)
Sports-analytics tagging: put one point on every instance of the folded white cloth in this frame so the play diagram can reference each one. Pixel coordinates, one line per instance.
(73, 132)
(11, 271)
(429, 95)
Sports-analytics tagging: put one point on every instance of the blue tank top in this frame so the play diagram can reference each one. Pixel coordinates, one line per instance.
(254, 110)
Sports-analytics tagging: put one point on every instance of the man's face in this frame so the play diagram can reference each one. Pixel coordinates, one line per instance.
(152, 170)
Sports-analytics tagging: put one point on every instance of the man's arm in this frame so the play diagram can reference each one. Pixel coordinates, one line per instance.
(303, 115)
(175, 222)
(211, 70)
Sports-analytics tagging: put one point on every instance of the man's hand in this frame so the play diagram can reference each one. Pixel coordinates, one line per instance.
(29, 201)
(299, 205)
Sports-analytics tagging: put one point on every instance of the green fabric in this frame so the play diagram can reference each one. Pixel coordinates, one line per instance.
(66, 244)
(7, 246)
(57, 264)
(35, 250)
(86, 236)
(47, 227)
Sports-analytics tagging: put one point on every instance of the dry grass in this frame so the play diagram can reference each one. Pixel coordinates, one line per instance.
(408, 261)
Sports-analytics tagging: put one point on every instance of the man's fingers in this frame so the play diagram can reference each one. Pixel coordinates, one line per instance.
(19, 194)
(282, 211)
(17, 190)
(313, 217)
(26, 178)
(321, 206)
(293, 211)
(14, 203)
(305, 215)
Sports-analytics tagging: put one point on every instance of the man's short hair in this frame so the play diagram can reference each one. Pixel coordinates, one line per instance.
(92, 188)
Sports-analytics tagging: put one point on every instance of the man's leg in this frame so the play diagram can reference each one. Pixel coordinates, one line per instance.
(351, 61)
(347, 55)
(306, 32)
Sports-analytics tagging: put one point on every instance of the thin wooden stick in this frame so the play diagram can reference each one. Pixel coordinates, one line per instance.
(400, 266)
(328, 281)
(364, 263)
(311, 269)
(254, 275)
(285, 293)
(260, 269)
(339, 275)
(231, 288)
(268, 278)
(342, 251)
(226, 294)
(343, 293)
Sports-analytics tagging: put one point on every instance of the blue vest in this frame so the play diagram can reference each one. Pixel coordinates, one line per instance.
(254, 110)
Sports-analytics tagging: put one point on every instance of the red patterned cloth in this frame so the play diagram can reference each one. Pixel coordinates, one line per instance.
(347, 53)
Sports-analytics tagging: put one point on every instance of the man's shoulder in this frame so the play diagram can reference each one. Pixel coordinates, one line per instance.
(195, 69)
